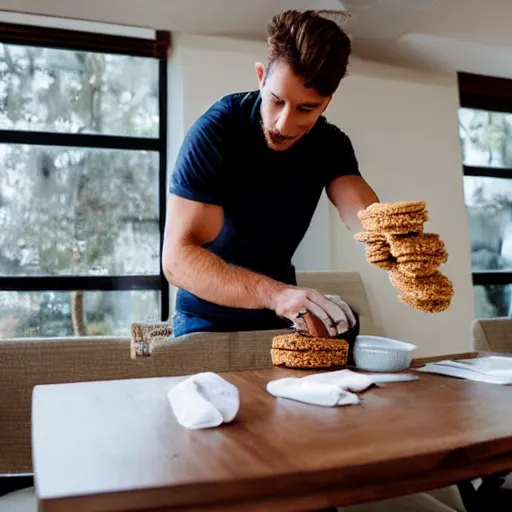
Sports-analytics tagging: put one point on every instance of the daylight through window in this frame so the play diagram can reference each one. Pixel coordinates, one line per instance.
(82, 174)
(485, 125)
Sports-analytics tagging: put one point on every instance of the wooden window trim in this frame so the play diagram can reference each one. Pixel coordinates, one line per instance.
(65, 39)
(485, 92)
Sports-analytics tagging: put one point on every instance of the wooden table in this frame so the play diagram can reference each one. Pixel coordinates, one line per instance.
(115, 446)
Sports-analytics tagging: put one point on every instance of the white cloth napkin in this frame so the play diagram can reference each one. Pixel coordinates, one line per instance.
(331, 388)
(204, 400)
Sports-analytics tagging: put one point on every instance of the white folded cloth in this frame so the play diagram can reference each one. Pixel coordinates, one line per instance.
(331, 388)
(204, 400)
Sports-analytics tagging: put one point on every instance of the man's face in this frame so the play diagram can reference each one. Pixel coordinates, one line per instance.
(288, 109)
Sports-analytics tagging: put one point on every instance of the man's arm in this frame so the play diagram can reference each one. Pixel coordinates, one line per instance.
(188, 265)
(350, 194)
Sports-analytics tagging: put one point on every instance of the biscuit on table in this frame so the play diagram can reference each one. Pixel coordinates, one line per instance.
(299, 342)
(296, 350)
(309, 359)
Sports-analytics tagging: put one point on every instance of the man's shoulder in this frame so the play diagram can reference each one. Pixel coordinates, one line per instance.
(328, 131)
(236, 106)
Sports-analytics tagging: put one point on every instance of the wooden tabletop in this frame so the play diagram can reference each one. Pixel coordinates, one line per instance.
(115, 445)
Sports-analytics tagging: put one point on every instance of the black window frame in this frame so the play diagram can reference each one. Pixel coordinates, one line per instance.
(494, 94)
(64, 39)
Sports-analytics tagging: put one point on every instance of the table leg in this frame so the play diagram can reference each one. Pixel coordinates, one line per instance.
(489, 495)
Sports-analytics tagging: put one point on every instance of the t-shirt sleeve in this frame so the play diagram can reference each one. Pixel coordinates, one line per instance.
(199, 173)
(340, 157)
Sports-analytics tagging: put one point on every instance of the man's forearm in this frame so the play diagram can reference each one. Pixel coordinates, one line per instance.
(351, 194)
(209, 277)
(351, 218)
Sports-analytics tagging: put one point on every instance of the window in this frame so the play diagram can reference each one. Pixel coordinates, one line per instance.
(82, 181)
(485, 123)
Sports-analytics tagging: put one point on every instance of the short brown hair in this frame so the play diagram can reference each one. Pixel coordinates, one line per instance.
(316, 48)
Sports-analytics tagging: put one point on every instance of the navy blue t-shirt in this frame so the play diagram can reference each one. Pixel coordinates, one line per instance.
(268, 198)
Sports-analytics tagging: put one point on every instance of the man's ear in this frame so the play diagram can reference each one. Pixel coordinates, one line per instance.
(260, 74)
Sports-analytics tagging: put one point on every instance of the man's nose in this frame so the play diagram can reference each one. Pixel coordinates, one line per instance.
(285, 123)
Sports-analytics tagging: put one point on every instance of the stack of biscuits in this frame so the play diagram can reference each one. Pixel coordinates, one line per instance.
(395, 241)
(296, 350)
(312, 348)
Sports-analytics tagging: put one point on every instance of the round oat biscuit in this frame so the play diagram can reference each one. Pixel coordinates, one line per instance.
(384, 264)
(399, 207)
(435, 259)
(411, 284)
(420, 243)
(299, 342)
(377, 253)
(427, 306)
(418, 268)
(308, 359)
(434, 287)
(396, 224)
(370, 237)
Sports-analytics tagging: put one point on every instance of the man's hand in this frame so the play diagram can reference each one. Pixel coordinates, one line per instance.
(294, 302)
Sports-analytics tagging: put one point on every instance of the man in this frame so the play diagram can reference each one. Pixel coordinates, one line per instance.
(247, 181)
(245, 186)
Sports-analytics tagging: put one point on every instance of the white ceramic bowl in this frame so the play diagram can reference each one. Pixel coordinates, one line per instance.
(375, 353)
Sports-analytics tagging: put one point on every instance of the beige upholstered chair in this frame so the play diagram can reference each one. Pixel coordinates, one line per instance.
(493, 335)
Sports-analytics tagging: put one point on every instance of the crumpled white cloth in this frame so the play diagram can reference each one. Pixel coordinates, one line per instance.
(204, 400)
(331, 388)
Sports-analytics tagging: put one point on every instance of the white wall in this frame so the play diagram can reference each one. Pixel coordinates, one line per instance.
(405, 131)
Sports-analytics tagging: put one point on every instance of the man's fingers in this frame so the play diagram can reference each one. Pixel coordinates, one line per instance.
(346, 309)
(336, 313)
(300, 324)
(331, 310)
(320, 313)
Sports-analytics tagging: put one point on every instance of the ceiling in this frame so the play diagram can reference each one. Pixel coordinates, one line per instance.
(460, 35)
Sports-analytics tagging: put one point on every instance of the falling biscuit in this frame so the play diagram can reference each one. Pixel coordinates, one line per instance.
(370, 237)
(384, 264)
(434, 287)
(411, 256)
(377, 253)
(396, 208)
(422, 268)
(380, 258)
(425, 244)
(396, 224)
(427, 306)
(434, 259)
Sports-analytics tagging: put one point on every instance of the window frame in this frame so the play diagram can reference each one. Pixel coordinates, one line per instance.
(494, 94)
(65, 39)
